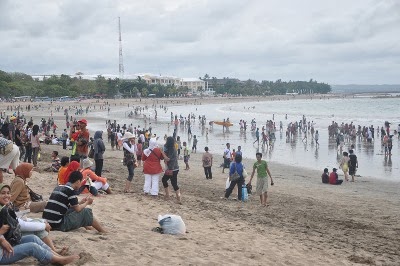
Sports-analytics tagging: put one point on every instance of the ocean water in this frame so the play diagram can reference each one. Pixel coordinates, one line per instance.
(364, 111)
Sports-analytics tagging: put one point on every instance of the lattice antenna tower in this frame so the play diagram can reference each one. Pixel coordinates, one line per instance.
(121, 60)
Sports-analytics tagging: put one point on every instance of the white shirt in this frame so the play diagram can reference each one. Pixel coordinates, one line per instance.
(132, 149)
(227, 153)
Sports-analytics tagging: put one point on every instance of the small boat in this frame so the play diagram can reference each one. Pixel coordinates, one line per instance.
(221, 123)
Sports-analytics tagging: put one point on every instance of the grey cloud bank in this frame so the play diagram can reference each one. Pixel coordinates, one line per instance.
(338, 42)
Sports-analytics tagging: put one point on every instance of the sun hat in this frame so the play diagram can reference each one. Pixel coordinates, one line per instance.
(128, 135)
(83, 121)
(86, 163)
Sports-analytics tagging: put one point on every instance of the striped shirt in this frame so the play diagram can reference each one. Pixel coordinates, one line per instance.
(61, 199)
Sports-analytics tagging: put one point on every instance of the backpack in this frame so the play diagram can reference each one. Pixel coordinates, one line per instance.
(4, 130)
(13, 235)
(235, 176)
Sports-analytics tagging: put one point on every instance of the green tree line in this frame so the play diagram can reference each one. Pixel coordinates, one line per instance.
(20, 84)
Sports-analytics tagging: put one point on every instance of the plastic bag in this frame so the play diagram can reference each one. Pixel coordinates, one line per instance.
(228, 183)
(172, 224)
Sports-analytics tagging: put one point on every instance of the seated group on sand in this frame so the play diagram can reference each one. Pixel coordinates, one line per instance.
(62, 212)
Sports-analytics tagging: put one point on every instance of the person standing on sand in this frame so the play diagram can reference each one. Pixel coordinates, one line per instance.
(353, 164)
(81, 139)
(129, 149)
(262, 178)
(186, 155)
(344, 165)
(171, 158)
(207, 163)
(257, 136)
(227, 157)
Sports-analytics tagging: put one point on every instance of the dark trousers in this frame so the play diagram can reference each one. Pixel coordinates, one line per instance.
(174, 180)
(28, 153)
(207, 172)
(64, 144)
(99, 167)
(239, 184)
(131, 172)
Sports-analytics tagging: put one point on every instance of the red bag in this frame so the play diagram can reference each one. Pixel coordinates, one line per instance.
(168, 172)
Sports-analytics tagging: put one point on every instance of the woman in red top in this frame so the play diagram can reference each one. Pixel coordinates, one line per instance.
(152, 169)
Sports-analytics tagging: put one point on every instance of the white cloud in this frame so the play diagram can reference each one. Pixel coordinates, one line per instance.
(332, 41)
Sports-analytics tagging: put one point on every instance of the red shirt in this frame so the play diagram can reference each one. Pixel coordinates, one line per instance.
(333, 177)
(81, 148)
(151, 164)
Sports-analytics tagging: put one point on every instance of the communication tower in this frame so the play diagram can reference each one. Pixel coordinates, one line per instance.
(121, 60)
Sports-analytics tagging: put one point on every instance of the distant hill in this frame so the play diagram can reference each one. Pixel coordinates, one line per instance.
(354, 88)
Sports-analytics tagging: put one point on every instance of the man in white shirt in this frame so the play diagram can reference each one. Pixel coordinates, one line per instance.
(227, 157)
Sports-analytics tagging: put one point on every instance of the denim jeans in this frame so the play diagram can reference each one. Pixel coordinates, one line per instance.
(28, 153)
(31, 246)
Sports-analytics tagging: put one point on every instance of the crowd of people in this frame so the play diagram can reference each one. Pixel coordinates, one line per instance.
(81, 173)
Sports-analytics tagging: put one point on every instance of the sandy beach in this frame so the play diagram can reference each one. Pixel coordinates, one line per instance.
(306, 222)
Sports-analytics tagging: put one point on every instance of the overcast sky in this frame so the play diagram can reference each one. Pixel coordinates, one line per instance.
(333, 41)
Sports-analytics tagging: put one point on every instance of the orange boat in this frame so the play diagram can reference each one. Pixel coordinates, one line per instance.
(221, 123)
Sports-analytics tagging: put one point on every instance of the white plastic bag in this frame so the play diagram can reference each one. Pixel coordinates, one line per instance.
(228, 183)
(172, 224)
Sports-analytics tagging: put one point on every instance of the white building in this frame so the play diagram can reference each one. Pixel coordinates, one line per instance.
(193, 84)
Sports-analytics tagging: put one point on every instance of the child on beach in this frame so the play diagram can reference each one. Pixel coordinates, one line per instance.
(55, 163)
(325, 176)
(334, 178)
(186, 155)
(262, 178)
(194, 147)
(61, 171)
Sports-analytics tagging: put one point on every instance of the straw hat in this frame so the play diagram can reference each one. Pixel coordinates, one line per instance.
(128, 135)
(86, 163)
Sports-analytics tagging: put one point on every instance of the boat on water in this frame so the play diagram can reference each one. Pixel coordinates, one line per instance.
(221, 123)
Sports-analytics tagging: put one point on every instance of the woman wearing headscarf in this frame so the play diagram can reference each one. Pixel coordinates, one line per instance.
(30, 245)
(172, 164)
(99, 148)
(152, 168)
(20, 192)
(129, 149)
(73, 166)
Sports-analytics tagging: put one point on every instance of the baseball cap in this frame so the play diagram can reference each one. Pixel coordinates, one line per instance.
(83, 121)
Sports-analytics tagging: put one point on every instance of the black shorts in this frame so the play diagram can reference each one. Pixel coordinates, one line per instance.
(227, 162)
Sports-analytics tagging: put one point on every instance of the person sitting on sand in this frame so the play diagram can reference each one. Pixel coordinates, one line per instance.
(63, 211)
(74, 166)
(29, 246)
(334, 179)
(325, 176)
(20, 192)
(61, 171)
(30, 226)
(55, 163)
(98, 181)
